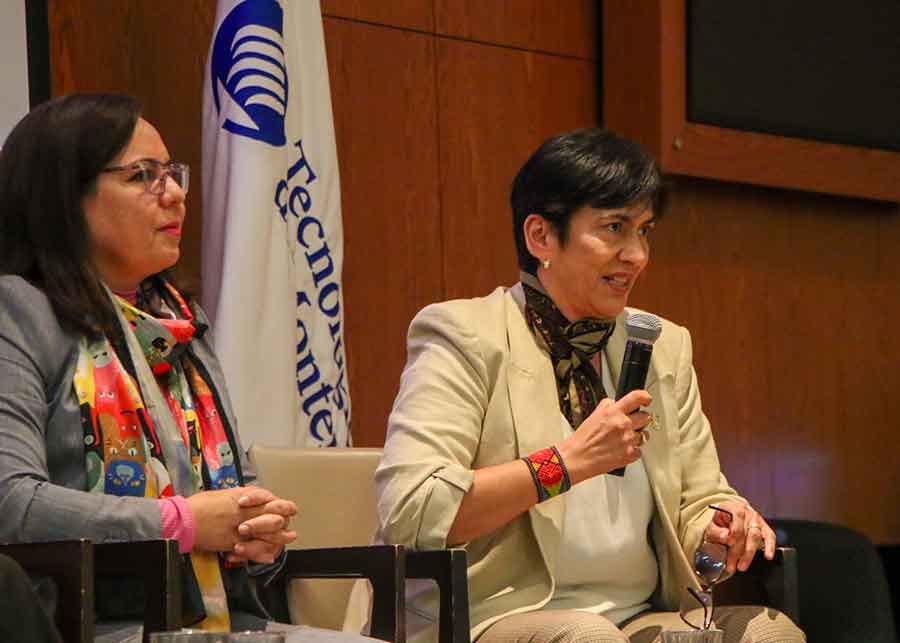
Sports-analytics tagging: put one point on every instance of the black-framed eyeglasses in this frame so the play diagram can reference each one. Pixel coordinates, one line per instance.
(710, 567)
(705, 602)
(153, 174)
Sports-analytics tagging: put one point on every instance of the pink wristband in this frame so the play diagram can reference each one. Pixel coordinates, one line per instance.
(178, 522)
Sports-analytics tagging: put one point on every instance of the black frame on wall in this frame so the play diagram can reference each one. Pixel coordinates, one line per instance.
(38, 42)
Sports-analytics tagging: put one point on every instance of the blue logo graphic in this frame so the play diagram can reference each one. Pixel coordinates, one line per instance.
(249, 74)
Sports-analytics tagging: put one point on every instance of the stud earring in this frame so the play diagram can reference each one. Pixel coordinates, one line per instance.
(546, 264)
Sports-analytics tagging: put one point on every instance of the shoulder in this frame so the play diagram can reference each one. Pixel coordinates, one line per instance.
(479, 318)
(490, 308)
(19, 293)
(30, 327)
(468, 333)
(23, 305)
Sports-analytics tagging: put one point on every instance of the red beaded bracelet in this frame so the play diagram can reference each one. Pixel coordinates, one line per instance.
(549, 473)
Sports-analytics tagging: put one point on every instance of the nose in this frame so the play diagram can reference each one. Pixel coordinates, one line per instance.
(172, 192)
(636, 249)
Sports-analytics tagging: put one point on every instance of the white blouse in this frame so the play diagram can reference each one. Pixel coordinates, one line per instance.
(606, 564)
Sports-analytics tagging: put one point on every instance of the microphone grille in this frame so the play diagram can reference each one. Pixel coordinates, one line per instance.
(643, 326)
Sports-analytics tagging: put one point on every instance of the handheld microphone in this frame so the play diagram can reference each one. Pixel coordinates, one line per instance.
(643, 329)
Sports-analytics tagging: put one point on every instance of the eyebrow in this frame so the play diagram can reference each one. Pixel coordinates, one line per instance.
(628, 218)
(146, 159)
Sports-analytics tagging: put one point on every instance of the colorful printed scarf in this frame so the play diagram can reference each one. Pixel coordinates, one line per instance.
(124, 454)
(571, 345)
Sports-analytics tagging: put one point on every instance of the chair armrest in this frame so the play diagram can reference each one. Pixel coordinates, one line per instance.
(157, 564)
(382, 565)
(71, 565)
(447, 567)
(766, 582)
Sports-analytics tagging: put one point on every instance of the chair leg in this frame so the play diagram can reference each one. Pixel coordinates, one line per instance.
(157, 563)
(448, 569)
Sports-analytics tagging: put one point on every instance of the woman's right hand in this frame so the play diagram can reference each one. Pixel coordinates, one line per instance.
(608, 439)
(218, 514)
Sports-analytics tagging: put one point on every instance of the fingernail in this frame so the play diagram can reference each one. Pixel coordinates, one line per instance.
(244, 530)
(239, 548)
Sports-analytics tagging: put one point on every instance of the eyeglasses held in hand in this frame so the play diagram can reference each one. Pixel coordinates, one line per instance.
(709, 564)
(153, 174)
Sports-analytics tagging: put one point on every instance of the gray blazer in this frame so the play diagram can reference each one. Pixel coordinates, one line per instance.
(42, 467)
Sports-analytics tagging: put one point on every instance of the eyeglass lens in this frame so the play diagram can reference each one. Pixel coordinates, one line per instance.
(155, 174)
(709, 563)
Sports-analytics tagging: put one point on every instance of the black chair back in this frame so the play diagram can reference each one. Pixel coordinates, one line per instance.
(843, 593)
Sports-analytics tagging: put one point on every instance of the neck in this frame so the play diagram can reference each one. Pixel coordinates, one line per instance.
(130, 295)
(547, 286)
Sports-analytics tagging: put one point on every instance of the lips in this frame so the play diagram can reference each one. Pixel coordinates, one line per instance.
(619, 282)
(173, 229)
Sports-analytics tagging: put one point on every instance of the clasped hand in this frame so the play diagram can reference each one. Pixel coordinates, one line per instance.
(249, 523)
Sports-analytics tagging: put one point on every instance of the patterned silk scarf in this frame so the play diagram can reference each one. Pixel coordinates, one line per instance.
(125, 455)
(571, 345)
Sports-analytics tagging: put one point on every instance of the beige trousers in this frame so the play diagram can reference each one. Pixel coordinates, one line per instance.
(741, 624)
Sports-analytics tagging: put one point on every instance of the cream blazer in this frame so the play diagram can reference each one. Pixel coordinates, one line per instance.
(478, 391)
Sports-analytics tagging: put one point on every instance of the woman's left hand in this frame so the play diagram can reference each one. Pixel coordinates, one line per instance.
(264, 536)
(256, 550)
(745, 532)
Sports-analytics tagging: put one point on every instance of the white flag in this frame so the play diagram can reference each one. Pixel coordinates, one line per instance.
(272, 237)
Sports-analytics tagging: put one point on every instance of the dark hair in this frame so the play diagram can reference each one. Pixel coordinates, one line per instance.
(49, 162)
(583, 167)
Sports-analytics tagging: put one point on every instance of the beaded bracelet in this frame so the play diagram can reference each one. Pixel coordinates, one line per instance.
(549, 473)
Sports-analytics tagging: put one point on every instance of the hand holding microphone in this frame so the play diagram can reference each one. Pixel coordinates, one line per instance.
(643, 330)
(611, 434)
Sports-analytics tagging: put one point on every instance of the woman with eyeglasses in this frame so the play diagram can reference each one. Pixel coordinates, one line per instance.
(505, 438)
(115, 423)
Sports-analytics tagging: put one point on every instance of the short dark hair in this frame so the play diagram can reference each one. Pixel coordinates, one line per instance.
(583, 167)
(49, 162)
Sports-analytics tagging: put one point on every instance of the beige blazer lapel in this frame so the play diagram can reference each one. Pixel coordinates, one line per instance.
(536, 417)
(658, 455)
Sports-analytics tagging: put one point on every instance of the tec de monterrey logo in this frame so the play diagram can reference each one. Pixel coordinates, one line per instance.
(249, 74)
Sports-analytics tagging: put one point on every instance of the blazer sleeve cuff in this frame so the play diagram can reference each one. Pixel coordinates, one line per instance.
(448, 486)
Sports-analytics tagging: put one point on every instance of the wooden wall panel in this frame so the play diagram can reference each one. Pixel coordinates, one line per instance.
(383, 89)
(79, 43)
(409, 14)
(565, 27)
(689, 272)
(789, 298)
(496, 106)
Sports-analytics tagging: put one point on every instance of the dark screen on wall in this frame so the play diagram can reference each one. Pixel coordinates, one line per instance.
(824, 70)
